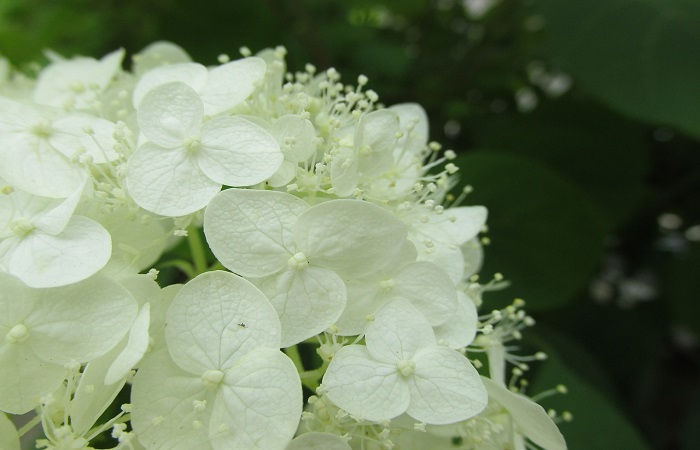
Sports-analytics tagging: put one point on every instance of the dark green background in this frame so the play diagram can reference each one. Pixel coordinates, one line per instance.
(574, 188)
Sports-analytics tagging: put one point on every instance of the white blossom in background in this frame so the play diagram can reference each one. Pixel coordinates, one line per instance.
(353, 269)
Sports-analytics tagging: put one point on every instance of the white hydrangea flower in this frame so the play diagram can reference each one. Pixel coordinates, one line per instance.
(47, 329)
(186, 161)
(75, 83)
(403, 370)
(223, 383)
(301, 251)
(219, 89)
(45, 244)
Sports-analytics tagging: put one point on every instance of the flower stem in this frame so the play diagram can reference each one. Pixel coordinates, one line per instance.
(194, 240)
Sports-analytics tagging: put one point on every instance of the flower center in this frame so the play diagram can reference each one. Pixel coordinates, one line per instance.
(212, 378)
(22, 227)
(406, 367)
(18, 333)
(192, 144)
(298, 261)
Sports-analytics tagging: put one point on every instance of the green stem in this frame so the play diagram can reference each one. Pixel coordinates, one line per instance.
(194, 240)
(29, 425)
(306, 380)
(182, 265)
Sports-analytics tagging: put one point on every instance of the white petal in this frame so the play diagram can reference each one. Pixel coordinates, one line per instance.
(92, 396)
(532, 420)
(398, 331)
(307, 301)
(317, 441)
(430, 290)
(352, 237)
(260, 403)
(69, 136)
(231, 83)
(25, 378)
(236, 152)
(168, 182)
(170, 113)
(364, 387)
(460, 330)
(344, 171)
(217, 318)
(302, 133)
(31, 164)
(286, 173)
(364, 299)
(375, 139)
(163, 413)
(413, 115)
(80, 321)
(42, 260)
(250, 232)
(158, 54)
(192, 74)
(135, 348)
(445, 387)
(9, 439)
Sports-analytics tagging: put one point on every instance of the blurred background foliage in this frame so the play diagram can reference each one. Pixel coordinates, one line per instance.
(578, 125)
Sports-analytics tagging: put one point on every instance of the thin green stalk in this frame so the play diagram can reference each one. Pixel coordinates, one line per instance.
(199, 257)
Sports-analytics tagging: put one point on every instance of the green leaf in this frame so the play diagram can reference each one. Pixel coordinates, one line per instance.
(638, 56)
(682, 284)
(597, 422)
(598, 150)
(546, 235)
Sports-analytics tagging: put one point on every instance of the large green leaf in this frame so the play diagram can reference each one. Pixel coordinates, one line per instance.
(598, 422)
(639, 56)
(546, 234)
(599, 151)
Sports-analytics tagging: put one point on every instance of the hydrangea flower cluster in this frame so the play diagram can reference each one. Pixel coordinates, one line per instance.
(341, 312)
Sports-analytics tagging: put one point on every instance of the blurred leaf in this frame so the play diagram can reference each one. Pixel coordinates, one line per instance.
(690, 431)
(639, 56)
(598, 423)
(546, 234)
(602, 153)
(682, 288)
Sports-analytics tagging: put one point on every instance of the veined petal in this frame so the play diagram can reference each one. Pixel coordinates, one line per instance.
(307, 301)
(81, 321)
(192, 74)
(43, 260)
(168, 182)
(375, 138)
(69, 137)
(31, 164)
(430, 290)
(460, 330)
(236, 152)
(344, 171)
(364, 387)
(133, 351)
(296, 137)
(25, 378)
(171, 407)
(398, 331)
(259, 405)
(229, 84)
(445, 387)
(92, 396)
(354, 238)
(216, 319)
(250, 232)
(170, 113)
(531, 419)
